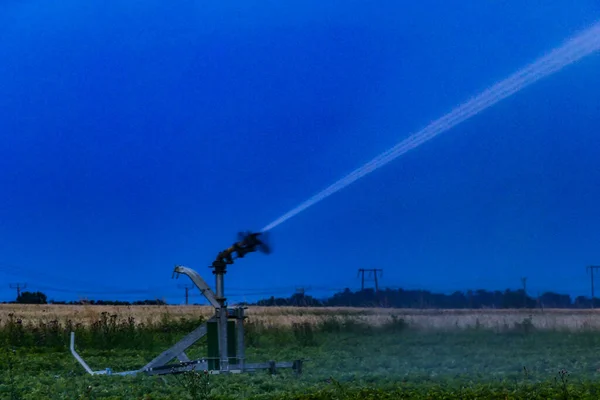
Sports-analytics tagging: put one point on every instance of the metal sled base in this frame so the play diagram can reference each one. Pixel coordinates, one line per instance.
(184, 366)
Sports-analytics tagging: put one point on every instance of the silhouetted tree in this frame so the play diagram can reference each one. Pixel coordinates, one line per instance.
(32, 298)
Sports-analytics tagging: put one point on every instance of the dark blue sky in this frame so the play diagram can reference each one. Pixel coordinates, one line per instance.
(145, 134)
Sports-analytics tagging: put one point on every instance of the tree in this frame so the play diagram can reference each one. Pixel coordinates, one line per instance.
(32, 298)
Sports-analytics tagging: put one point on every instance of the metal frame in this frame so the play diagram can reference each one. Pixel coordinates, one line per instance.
(159, 365)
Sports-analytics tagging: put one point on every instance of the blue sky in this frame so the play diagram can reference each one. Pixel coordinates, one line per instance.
(139, 135)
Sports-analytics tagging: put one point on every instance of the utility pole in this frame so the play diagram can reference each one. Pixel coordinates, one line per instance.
(524, 282)
(591, 268)
(187, 291)
(372, 272)
(19, 287)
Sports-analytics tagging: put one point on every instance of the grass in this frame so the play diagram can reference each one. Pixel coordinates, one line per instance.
(348, 359)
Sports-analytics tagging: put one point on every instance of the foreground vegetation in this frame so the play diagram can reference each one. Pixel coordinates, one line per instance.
(346, 359)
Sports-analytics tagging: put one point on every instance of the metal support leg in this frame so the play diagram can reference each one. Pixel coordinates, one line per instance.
(272, 367)
(107, 371)
(222, 317)
(223, 353)
(297, 367)
(178, 349)
(77, 357)
(241, 350)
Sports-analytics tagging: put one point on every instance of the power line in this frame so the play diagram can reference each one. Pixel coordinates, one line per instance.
(284, 291)
(20, 271)
(98, 292)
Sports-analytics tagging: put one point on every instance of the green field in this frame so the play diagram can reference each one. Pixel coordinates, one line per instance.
(346, 360)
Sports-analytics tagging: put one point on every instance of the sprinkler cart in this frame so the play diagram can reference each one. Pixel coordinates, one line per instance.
(224, 330)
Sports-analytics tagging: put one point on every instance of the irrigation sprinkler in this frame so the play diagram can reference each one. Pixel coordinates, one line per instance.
(224, 330)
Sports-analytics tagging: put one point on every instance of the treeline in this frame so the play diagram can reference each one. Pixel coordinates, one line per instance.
(41, 298)
(389, 298)
(425, 299)
(113, 302)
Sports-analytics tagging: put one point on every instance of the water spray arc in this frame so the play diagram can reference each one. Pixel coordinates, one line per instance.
(578, 47)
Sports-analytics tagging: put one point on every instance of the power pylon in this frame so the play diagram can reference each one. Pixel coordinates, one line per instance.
(372, 274)
(19, 287)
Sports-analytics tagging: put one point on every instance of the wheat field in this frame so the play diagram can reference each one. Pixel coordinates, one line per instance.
(428, 319)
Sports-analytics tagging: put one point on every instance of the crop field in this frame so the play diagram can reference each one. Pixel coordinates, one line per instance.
(572, 320)
(350, 353)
